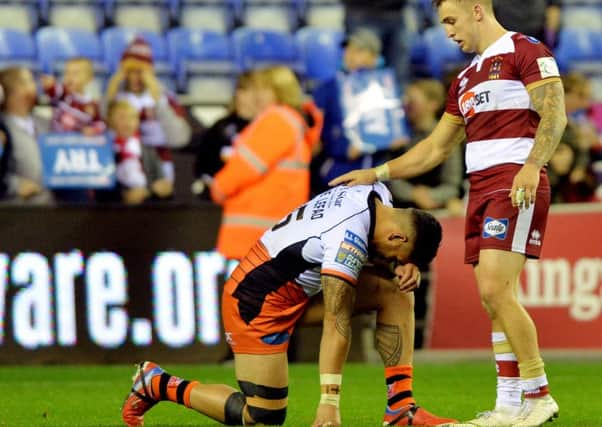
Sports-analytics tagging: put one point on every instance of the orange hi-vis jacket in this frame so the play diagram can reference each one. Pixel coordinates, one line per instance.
(266, 177)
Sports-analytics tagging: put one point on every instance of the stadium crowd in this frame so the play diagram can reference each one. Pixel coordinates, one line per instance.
(146, 122)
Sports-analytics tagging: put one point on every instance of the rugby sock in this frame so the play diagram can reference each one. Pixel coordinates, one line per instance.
(172, 388)
(508, 375)
(399, 386)
(533, 379)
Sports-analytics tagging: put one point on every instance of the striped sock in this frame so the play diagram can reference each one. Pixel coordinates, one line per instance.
(533, 379)
(508, 377)
(399, 386)
(172, 388)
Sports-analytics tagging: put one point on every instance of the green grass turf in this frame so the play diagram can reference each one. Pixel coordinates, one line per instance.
(92, 395)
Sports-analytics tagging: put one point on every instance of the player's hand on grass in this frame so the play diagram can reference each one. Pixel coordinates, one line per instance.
(524, 186)
(356, 177)
(408, 277)
(327, 416)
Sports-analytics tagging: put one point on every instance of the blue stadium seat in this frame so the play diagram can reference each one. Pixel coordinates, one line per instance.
(56, 45)
(17, 48)
(198, 53)
(148, 15)
(580, 49)
(209, 15)
(323, 13)
(76, 14)
(258, 48)
(116, 39)
(320, 52)
(22, 15)
(582, 16)
(275, 15)
(442, 54)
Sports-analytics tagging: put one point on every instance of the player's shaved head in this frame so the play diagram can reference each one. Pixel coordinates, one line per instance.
(487, 4)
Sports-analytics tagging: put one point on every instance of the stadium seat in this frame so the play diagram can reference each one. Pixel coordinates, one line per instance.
(324, 14)
(582, 16)
(580, 49)
(199, 54)
(56, 45)
(209, 15)
(275, 15)
(19, 15)
(320, 52)
(441, 53)
(256, 48)
(76, 14)
(148, 15)
(17, 48)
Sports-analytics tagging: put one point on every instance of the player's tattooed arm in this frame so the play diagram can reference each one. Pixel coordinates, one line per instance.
(388, 343)
(339, 301)
(548, 101)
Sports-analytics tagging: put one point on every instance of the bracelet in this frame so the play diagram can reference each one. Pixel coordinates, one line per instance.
(383, 173)
(330, 399)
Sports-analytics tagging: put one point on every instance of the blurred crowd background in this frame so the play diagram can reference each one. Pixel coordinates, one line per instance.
(175, 85)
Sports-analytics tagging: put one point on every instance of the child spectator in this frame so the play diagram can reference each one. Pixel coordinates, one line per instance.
(162, 118)
(74, 109)
(137, 165)
(24, 165)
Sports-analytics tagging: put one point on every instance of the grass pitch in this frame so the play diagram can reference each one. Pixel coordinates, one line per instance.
(92, 395)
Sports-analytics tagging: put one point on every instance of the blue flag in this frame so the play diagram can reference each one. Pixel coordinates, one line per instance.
(373, 116)
(75, 161)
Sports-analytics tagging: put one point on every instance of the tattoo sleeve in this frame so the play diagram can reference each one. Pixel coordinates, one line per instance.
(388, 343)
(339, 300)
(548, 101)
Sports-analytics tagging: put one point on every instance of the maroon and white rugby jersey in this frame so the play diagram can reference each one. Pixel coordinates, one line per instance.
(490, 98)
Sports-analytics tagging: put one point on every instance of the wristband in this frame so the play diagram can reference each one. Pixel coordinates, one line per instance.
(383, 172)
(327, 379)
(330, 399)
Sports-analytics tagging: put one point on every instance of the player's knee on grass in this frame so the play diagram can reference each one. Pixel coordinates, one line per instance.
(266, 405)
(233, 410)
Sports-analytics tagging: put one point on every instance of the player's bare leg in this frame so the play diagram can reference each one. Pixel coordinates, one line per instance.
(394, 340)
(262, 378)
(497, 277)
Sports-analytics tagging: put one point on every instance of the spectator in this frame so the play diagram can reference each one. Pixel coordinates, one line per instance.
(581, 131)
(267, 174)
(74, 109)
(216, 144)
(441, 186)
(536, 18)
(163, 122)
(6, 149)
(139, 171)
(24, 165)
(338, 156)
(387, 19)
(561, 170)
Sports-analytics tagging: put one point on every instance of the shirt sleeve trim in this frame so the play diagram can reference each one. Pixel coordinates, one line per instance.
(340, 275)
(539, 83)
(457, 120)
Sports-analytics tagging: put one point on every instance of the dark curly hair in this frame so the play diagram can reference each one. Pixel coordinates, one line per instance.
(428, 238)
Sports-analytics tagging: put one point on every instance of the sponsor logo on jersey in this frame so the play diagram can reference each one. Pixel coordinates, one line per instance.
(548, 67)
(495, 70)
(535, 239)
(495, 227)
(353, 252)
(532, 40)
(470, 100)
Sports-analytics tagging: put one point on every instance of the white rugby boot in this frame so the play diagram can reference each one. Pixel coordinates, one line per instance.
(501, 416)
(538, 411)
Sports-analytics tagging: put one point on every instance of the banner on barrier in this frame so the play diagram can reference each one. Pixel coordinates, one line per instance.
(110, 285)
(562, 291)
(76, 161)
